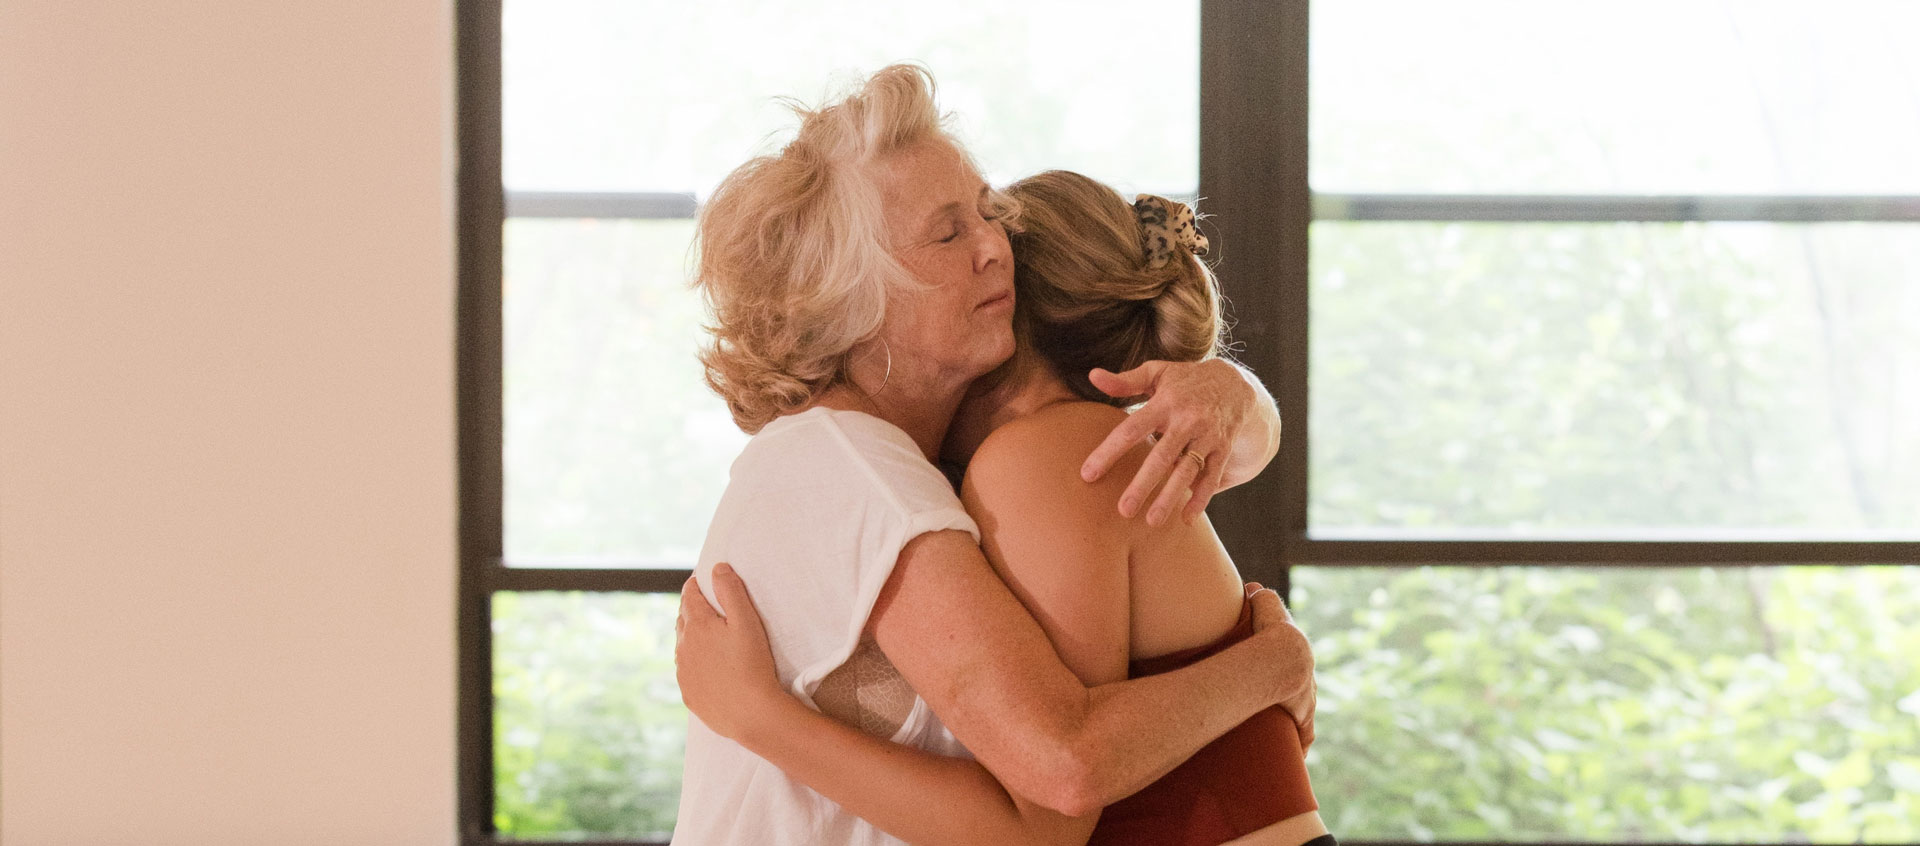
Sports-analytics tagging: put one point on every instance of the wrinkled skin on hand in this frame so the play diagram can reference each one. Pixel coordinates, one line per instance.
(1297, 692)
(1203, 417)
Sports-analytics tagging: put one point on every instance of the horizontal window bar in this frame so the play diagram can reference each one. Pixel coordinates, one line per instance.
(1544, 208)
(607, 562)
(1377, 548)
(1650, 553)
(645, 580)
(607, 204)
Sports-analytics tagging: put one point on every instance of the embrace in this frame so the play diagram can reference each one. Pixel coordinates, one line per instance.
(986, 603)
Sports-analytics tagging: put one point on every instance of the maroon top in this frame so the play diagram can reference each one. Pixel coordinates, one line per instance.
(1251, 777)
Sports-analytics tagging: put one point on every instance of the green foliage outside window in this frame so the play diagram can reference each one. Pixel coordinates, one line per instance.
(1710, 705)
(589, 730)
(1757, 704)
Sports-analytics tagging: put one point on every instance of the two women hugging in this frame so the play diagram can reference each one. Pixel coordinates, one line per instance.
(958, 629)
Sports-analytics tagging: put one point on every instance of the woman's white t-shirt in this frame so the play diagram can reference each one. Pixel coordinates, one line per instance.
(816, 511)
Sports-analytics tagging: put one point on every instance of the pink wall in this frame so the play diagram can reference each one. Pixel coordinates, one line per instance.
(227, 502)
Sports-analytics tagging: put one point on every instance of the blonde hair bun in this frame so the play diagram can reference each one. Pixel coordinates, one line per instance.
(1089, 295)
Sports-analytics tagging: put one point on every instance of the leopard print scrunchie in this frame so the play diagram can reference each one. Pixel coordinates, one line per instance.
(1163, 223)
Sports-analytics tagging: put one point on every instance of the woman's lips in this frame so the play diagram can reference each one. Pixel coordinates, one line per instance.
(1003, 299)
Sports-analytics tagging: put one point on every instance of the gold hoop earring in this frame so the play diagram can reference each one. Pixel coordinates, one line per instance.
(889, 376)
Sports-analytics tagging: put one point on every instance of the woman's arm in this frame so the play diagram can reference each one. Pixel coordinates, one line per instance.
(1080, 599)
(968, 647)
(727, 679)
(1215, 408)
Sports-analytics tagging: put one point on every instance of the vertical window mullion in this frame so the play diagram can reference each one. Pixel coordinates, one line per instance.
(481, 218)
(1253, 176)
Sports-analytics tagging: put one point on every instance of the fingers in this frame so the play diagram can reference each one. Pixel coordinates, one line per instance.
(1301, 706)
(1268, 610)
(1306, 725)
(1204, 489)
(680, 618)
(1252, 588)
(1124, 437)
(1158, 467)
(735, 603)
(1177, 490)
(1132, 383)
(1266, 603)
(693, 604)
(1302, 725)
(1292, 657)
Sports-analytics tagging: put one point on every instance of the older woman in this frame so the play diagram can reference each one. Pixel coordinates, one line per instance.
(1101, 283)
(860, 284)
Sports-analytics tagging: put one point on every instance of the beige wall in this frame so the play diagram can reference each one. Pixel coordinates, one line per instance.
(226, 422)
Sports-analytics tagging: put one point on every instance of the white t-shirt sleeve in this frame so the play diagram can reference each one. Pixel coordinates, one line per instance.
(814, 519)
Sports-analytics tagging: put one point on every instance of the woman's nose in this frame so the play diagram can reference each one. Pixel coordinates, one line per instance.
(993, 245)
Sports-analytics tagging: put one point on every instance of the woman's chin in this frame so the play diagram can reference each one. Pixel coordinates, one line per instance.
(1003, 345)
(990, 359)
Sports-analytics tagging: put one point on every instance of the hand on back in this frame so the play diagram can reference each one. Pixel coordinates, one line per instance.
(1293, 658)
(1195, 412)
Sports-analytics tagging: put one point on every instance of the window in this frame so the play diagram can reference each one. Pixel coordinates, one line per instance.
(1590, 327)
(596, 453)
(1609, 329)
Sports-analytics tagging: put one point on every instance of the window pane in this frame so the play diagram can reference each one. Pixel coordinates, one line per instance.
(1695, 705)
(1615, 378)
(1637, 96)
(616, 451)
(589, 732)
(619, 95)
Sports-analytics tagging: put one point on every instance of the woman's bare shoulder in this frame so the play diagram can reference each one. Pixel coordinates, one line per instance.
(1041, 454)
(1047, 434)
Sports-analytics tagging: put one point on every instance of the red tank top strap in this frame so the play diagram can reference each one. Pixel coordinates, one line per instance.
(1242, 629)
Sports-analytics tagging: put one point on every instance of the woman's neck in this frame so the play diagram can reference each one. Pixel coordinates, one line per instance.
(924, 415)
(1024, 391)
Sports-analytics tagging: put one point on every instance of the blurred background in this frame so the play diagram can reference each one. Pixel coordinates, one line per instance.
(228, 449)
(1687, 379)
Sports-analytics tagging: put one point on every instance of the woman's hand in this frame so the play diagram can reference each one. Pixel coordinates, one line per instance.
(1293, 658)
(1216, 427)
(724, 665)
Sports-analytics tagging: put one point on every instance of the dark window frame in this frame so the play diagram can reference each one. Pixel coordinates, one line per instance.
(1254, 174)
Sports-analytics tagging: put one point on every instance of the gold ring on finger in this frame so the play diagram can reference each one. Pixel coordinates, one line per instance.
(1197, 457)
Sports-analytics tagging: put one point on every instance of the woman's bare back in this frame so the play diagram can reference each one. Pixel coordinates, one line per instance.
(1179, 587)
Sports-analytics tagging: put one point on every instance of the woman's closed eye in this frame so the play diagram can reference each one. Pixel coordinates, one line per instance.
(987, 216)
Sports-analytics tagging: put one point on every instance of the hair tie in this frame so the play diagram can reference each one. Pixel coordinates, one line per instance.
(1164, 223)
